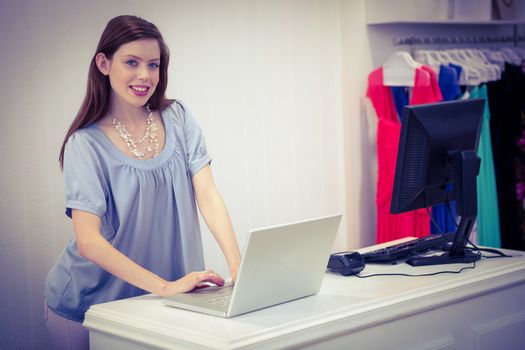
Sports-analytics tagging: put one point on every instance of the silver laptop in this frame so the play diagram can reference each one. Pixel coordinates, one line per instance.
(280, 263)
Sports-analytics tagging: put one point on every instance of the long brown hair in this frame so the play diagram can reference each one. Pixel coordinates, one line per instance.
(119, 31)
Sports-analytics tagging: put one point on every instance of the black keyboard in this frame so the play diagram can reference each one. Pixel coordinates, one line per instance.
(407, 249)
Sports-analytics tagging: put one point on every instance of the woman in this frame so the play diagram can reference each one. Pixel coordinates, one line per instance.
(135, 169)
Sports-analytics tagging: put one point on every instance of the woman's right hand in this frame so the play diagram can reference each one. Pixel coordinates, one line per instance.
(193, 280)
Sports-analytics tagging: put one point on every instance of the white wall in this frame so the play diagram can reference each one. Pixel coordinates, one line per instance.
(263, 78)
(355, 66)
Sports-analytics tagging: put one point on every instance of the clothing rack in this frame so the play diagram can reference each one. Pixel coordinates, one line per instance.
(414, 40)
(515, 38)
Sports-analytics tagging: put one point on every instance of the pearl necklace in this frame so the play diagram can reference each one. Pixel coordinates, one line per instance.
(150, 136)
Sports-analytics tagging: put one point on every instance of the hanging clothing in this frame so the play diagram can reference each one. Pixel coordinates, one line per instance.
(488, 228)
(401, 99)
(444, 215)
(449, 82)
(426, 90)
(458, 70)
(507, 98)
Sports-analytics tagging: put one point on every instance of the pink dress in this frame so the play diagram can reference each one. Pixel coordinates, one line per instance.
(426, 90)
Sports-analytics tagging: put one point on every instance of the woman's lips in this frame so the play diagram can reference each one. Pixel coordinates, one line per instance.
(139, 90)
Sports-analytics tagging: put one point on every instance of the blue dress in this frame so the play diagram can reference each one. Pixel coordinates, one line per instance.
(147, 212)
(445, 215)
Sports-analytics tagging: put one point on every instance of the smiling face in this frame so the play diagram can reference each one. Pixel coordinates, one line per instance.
(133, 71)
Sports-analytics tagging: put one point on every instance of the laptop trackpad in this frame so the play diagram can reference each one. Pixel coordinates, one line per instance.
(214, 293)
(215, 297)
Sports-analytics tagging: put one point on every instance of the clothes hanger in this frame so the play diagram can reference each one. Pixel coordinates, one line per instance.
(435, 59)
(512, 55)
(429, 59)
(493, 70)
(469, 75)
(496, 66)
(400, 69)
(459, 56)
(520, 51)
(508, 58)
(442, 57)
(495, 57)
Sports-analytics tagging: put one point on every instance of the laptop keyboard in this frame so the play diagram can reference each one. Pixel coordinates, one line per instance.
(220, 301)
(221, 295)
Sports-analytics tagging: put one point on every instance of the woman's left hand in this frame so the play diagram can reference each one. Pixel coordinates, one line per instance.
(233, 271)
(193, 280)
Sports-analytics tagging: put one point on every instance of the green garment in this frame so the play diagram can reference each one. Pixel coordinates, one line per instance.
(488, 214)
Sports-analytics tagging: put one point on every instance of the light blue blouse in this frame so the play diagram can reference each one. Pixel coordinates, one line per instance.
(147, 209)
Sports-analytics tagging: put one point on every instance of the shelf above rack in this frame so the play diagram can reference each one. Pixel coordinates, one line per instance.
(445, 12)
(450, 22)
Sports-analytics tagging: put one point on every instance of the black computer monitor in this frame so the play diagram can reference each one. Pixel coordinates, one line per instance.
(437, 163)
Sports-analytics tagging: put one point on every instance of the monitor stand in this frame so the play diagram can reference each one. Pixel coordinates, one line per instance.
(466, 164)
(441, 258)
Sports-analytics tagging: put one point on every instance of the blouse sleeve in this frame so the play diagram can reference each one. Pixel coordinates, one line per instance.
(196, 151)
(83, 177)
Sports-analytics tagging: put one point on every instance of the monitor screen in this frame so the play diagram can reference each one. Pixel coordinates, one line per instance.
(437, 160)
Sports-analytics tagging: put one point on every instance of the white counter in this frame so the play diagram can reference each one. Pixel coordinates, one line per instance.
(482, 308)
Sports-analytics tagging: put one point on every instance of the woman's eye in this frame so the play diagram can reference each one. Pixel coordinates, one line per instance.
(132, 63)
(154, 65)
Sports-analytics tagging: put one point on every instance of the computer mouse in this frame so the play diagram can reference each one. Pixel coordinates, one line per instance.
(346, 263)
